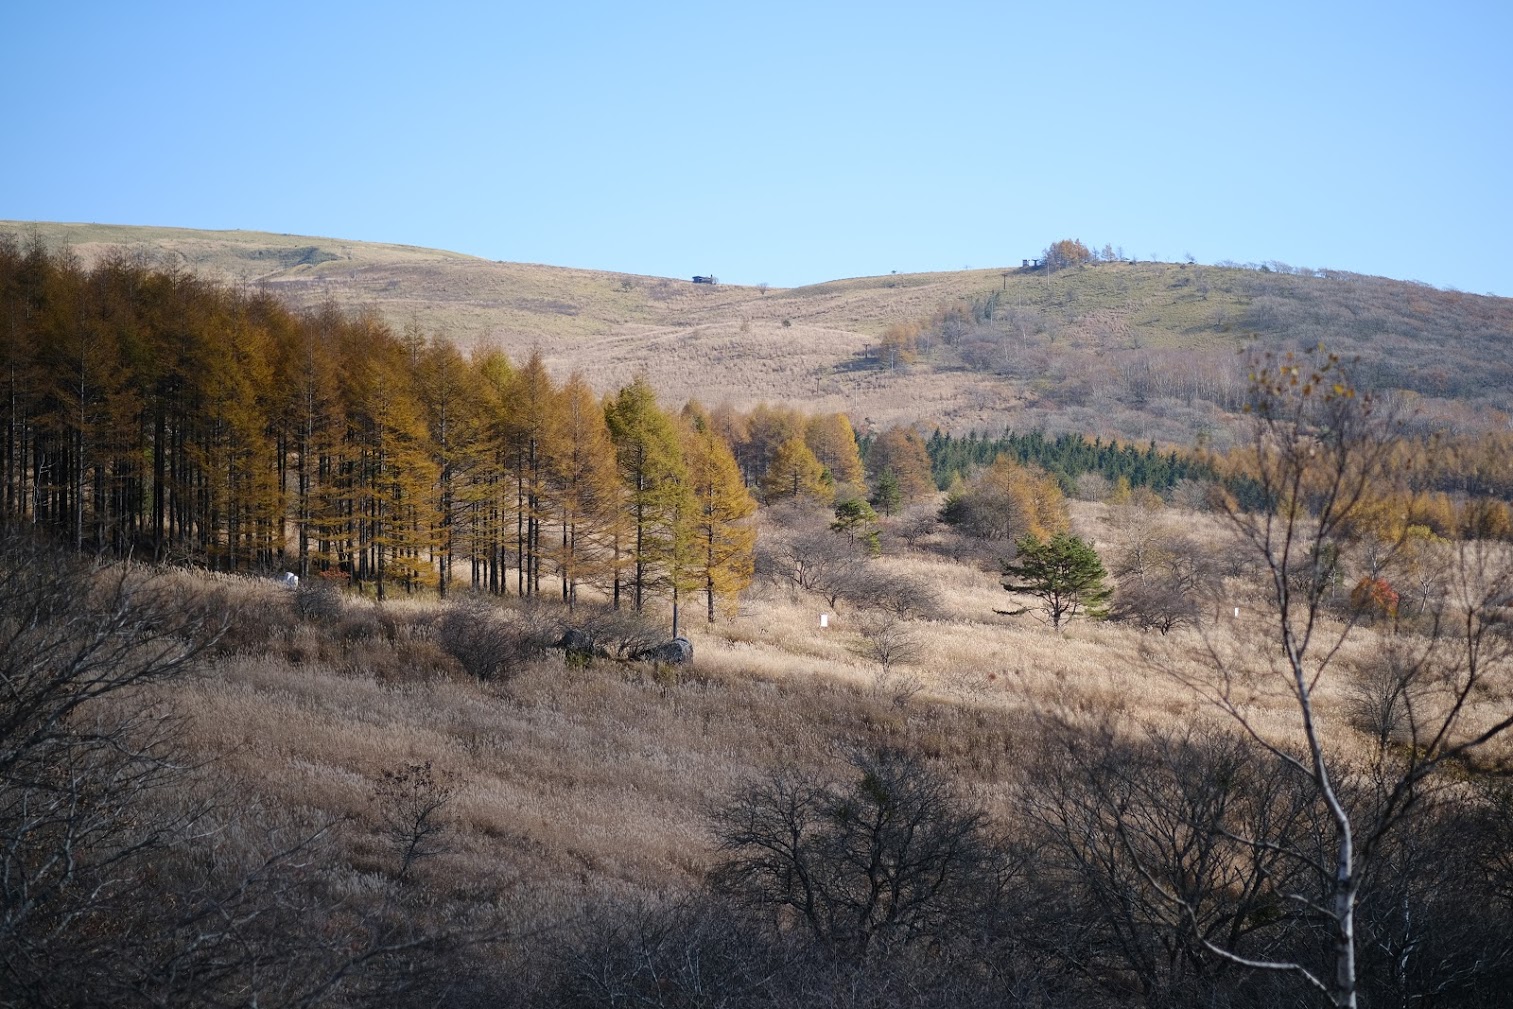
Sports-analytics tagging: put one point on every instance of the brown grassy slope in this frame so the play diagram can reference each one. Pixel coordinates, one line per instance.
(712, 343)
(475, 300)
(471, 299)
(1146, 350)
(594, 783)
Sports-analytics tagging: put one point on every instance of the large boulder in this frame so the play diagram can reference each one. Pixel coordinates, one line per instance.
(675, 652)
(585, 646)
(574, 640)
(580, 646)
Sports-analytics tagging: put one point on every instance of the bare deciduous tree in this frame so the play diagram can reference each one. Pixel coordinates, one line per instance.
(124, 878)
(813, 559)
(889, 642)
(1138, 833)
(1164, 581)
(887, 860)
(411, 805)
(1320, 448)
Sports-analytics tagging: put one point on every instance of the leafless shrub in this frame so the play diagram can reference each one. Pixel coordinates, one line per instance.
(317, 601)
(984, 555)
(75, 632)
(703, 952)
(507, 636)
(691, 952)
(487, 643)
(887, 860)
(616, 634)
(360, 622)
(1441, 865)
(255, 614)
(538, 626)
(914, 524)
(1494, 819)
(410, 802)
(873, 587)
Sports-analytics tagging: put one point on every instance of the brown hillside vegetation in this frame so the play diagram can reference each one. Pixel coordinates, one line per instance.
(570, 824)
(456, 764)
(878, 780)
(1134, 350)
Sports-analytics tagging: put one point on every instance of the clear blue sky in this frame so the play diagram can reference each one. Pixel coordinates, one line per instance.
(783, 142)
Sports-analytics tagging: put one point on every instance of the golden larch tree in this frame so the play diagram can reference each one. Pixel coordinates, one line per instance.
(902, 451)
(652, 471)
(584, 489)
(724, 537)
(795, 473)
(833, 441)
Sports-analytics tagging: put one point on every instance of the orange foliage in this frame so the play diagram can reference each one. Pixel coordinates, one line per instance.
(903, 451)
(1374, 597)
(899, 344)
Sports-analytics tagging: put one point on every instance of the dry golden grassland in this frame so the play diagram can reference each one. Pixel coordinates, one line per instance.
(580, 784)
(803, 346)
(1129, 350)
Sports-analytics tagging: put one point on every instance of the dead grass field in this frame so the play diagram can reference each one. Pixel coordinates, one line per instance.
(579, 784)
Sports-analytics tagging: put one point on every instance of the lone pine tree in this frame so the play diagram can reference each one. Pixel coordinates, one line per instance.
(1064, 573)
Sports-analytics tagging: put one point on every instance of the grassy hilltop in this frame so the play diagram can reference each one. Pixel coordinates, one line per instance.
(1135, 350)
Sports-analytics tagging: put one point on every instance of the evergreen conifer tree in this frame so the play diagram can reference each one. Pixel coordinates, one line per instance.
(1064, 573)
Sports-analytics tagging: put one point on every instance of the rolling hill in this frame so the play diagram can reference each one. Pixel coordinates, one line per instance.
(569, 849)
(1134, 350)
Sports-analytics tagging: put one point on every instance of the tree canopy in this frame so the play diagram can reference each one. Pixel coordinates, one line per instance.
(158, 414)
(1006, 501)
(1064, 573)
